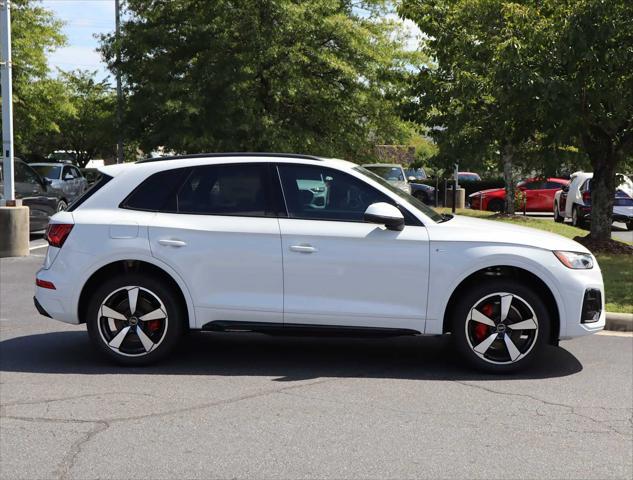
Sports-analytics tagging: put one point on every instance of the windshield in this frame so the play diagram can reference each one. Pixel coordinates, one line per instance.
(391, 174)
(428, 211)
(52, 172)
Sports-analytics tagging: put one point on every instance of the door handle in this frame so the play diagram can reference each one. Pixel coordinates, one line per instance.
(303, 248)
(172, 243)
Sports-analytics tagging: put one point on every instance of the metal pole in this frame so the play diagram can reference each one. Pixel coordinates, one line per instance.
(119, 90)
(455, 188)
(7, 99)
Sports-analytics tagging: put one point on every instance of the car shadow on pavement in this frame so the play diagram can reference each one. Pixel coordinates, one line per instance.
(285, 358)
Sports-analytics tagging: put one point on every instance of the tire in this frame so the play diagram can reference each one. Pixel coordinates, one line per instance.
(159, 331)
(496, 205)
(61, 206)
(576, 219)
(486, 340)
(558, 218)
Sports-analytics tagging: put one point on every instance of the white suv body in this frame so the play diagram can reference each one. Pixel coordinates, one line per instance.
(282, 243)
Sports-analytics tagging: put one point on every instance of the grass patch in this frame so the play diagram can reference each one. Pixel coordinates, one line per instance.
(617, 270)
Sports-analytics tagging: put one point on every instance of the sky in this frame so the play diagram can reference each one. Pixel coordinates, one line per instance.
(84, 19)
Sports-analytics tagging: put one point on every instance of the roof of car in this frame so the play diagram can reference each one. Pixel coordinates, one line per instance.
(230, 154)
(369, 165)
(50, 164)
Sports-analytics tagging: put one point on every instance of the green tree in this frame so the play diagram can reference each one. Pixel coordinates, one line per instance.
(88, 127)
(261, 75)
(479, 92)
(586, 75)
(38, 100)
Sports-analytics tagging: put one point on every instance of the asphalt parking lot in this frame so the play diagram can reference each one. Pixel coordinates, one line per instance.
(252, 406)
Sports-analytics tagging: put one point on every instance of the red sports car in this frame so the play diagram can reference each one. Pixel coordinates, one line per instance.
(539, 193)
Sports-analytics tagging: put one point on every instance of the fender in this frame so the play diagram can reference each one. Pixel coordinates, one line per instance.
(446, 279)
(120, 256)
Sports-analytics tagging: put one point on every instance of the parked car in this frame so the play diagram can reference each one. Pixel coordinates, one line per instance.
(539, 195)
(424, 193)
(574, 201)
(392, 172)
(236, 242)
(65, 178)
(36, 193)
(414, 174)
(468, 177)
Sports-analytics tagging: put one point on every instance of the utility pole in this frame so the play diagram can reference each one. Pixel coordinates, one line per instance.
(119, 90)
(7, 99)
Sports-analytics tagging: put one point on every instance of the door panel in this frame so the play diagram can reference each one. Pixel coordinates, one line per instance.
(232, 265)
(339, 270)
(222, 238)
(358, 274)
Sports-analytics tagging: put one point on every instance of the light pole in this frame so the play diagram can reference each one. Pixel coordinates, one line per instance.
(119, 90)
(7, 100)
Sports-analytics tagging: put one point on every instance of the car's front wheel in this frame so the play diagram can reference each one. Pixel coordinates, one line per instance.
(576, 218)
(500, 326)
(134, 319)
(557, 216)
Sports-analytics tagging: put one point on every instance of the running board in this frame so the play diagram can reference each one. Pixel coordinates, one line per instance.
(298, 329)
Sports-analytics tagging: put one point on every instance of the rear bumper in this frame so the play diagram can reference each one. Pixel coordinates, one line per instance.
(40, 309)
(57, 304)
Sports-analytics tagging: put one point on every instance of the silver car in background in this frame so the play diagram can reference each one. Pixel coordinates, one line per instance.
(65, 178)
(392, 172)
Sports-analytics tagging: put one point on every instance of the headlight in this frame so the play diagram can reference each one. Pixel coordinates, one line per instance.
(575, 260)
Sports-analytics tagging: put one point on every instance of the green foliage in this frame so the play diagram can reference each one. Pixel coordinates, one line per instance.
(37, 99)
(88, 127)
(425, 149)
(261, 75)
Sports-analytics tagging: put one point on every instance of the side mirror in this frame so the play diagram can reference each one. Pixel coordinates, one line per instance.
(412, 178)
(384, 214)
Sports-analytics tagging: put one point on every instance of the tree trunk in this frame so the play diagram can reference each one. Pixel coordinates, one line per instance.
(602, 195)
(508, 155)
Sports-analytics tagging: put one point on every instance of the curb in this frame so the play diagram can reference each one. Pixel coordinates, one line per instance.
(621, 322)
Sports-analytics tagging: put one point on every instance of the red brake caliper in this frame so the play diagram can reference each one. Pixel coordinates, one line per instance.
(482, 330)
(153, 325)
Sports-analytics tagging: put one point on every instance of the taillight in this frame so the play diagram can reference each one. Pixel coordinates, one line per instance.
(586, 196)
(57, 233)
(45, 284)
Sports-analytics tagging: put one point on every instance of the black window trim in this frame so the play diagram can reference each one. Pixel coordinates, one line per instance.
(410, 219)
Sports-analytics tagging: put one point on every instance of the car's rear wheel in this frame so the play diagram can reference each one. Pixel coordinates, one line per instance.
(134, 319)
(500, 326)
(557, 216)
(576, 218)
(496, 205)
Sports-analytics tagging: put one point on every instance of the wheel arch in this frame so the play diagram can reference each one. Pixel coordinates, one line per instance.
(127, 265)
(514, 272)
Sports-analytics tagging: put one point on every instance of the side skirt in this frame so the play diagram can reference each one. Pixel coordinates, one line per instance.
(297, 329)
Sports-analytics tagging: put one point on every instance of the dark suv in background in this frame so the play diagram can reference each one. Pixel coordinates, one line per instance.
(35, 192)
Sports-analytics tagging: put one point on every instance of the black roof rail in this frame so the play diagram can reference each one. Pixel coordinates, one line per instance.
(230, 154)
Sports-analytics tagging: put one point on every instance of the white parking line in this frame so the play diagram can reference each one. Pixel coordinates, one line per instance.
(38, 246)
(610, 333)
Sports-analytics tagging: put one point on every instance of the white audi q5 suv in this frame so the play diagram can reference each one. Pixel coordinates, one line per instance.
(292, 244)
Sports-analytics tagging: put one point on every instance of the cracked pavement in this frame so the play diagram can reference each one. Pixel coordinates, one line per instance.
(251, 406)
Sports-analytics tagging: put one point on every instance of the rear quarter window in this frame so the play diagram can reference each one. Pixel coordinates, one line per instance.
(157, 193)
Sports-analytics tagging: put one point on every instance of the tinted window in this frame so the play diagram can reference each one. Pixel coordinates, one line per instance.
(68, 173)
(49, 171)
(158, 192)
(553, 185)
(319, 193)
(24, 174)
(76, 172)
(238, 189)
